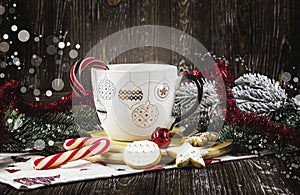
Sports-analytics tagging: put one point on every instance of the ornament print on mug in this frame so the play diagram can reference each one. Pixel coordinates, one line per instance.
(132, 100)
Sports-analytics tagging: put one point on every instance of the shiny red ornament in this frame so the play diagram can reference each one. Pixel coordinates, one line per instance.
(162, 137)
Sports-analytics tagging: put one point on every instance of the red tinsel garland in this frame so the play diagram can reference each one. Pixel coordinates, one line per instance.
(11, 97)
(261, 124)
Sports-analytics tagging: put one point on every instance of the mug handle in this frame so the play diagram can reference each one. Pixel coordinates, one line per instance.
(199, 85)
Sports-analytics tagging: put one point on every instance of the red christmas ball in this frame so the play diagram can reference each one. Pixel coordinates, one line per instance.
(162, 137)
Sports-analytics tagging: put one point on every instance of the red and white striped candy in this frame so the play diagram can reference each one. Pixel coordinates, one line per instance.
(70, 144)
(99, 146)
(78, 68)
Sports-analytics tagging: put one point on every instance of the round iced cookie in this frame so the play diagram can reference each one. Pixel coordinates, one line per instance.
(142, 154)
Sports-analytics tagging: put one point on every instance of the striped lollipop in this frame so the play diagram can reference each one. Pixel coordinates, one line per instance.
(76, 73)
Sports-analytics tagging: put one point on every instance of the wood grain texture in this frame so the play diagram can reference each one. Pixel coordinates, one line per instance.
(271, 38)
(261, 32)
(251, 176)
(264, 33)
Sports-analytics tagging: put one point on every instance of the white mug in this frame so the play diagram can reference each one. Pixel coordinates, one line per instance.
(132, 100)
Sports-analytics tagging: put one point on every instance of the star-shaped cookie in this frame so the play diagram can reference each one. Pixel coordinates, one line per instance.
(186, 153)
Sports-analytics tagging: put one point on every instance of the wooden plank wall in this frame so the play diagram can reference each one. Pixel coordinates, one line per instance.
(261, 32)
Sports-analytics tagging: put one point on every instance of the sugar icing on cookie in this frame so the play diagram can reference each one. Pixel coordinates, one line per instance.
(142, 154)
(186, 153)
(200, 139)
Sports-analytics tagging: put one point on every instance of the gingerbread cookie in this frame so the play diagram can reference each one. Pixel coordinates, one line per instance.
(200, 139)
(186, 153)
(142, 154)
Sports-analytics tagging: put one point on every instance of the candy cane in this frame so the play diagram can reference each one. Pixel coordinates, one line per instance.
(98, 146)
(78, 68)
(70, 144)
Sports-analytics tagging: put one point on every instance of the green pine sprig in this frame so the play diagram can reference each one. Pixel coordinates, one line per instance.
(288, 116)
(41, 133)
(86, 117)
(244, 139)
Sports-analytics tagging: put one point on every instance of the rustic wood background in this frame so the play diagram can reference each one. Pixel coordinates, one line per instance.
(263, 33)
(250, 176)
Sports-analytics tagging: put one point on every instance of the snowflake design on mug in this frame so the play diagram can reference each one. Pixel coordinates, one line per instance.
(145, 115)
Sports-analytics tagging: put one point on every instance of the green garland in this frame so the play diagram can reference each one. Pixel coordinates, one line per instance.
(287, 115)
(252, 140)
(42, 133)
(245, 139)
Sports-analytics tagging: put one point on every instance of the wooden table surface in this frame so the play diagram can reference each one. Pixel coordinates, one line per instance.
(249, 176)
